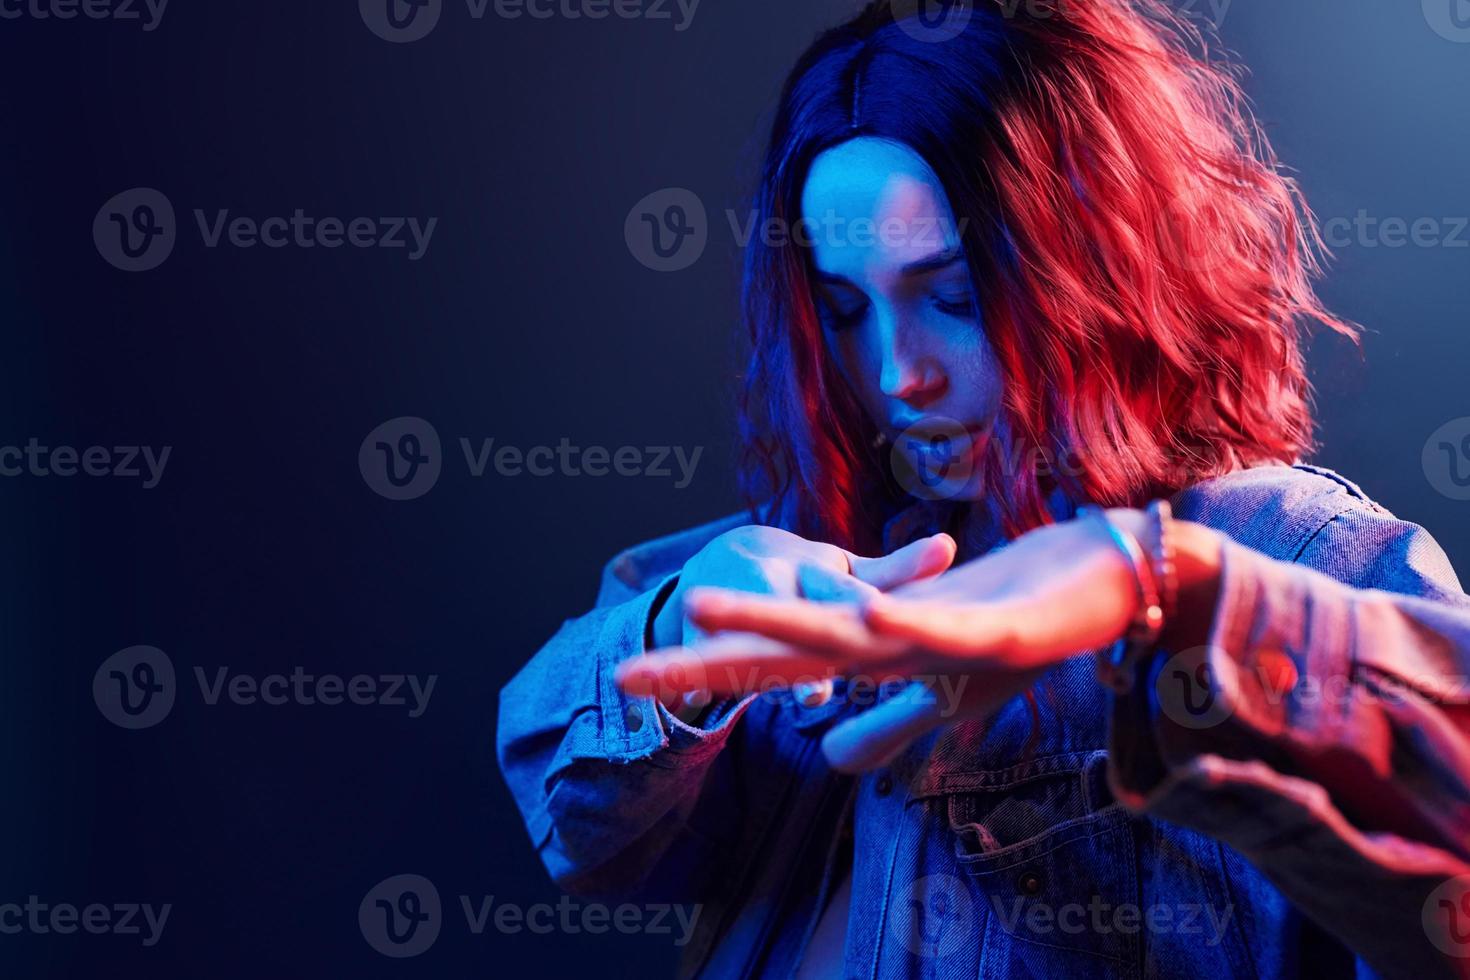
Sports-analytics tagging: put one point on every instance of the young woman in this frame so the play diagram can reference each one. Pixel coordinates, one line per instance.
(1216, 725)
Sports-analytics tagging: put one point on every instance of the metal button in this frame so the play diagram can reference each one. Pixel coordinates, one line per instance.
(633, 717)
(1029, 883)
(884, 785)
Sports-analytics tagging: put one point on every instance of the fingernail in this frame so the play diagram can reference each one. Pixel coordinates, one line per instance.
(702, 600)
(812, 694)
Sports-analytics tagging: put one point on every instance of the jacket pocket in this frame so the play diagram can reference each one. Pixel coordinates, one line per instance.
(1053, 859)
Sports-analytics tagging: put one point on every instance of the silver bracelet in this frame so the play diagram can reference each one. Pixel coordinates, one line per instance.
(1116, 665)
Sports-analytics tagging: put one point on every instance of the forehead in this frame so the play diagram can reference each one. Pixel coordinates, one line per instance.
(890, 192)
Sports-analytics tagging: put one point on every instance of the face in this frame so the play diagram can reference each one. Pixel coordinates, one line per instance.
(899, 309)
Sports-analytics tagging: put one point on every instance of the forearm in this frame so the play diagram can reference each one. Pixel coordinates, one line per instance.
(1320, 730)
(594, 770)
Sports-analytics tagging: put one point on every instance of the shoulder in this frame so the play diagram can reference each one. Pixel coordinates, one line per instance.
(1314, 516)
(1275, 509)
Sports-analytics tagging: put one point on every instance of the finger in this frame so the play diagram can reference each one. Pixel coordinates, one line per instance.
(690, 705)
(813, 694)
(875, 737)
(726, 665)
(945, 627)
(836, 629)
(922, 559)
(820, 583)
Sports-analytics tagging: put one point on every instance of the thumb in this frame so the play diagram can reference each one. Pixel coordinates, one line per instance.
(922, 559)
(876, 737)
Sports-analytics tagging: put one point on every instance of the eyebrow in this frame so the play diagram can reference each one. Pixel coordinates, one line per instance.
(930, 263)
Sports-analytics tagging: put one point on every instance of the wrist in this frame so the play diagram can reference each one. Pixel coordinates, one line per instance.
(666, 624)
(1197, 563)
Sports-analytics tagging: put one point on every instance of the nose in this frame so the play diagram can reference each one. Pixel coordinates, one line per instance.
(909, 374)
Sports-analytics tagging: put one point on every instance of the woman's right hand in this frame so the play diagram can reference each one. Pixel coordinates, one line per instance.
(770, 561)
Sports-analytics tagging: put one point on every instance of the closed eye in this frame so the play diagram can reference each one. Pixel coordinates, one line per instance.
(835, 319)
(962, 307)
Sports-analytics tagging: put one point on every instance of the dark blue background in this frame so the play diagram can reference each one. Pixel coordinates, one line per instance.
(528, 320)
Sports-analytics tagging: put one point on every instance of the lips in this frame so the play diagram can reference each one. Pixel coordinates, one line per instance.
(926, 428)
(935, 457)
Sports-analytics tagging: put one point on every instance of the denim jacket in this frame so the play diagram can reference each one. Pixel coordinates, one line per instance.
(1292, 798)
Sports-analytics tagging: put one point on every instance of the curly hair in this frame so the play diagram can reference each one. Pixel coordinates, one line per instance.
(1145, 268)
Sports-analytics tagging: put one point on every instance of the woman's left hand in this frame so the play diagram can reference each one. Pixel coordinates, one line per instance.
(970, 639)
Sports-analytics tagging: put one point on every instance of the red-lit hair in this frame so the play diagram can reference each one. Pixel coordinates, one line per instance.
(1143, 266)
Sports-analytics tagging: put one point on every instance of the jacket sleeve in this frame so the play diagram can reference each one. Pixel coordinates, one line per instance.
(606, 783)
(1324, 734)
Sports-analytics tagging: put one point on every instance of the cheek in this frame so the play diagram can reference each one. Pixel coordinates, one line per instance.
(860, 366)
(974, 371)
